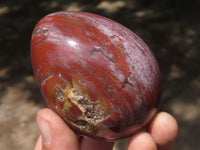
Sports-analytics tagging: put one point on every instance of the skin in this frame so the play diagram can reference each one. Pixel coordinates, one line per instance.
(56, 135)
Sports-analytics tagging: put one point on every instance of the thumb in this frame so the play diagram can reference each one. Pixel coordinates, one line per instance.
(55, 134)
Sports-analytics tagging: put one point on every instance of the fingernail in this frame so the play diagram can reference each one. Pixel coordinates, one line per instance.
(44, 130)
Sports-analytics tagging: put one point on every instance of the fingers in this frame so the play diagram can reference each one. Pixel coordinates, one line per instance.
(55, 134)
(38, 145)
(142, 141)
(92, 144)
(164, 130)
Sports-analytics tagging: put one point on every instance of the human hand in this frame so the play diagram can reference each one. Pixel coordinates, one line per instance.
(56, 135)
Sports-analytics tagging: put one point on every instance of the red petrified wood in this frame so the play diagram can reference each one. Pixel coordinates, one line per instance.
(99, 76)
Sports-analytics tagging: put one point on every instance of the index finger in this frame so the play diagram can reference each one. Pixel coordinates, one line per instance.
(164, 130)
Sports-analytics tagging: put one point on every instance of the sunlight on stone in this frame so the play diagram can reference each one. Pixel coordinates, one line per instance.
(17, 117)
(190, 32)
(111, 6)
(73, 7)
(175, 72)
(147, 13)
(52, 4)
(4, 10)
(4, 72)
(17, 95)
(186, 112)
(143, 13)
(30, 79)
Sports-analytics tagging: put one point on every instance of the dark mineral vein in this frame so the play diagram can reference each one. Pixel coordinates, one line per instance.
(99, 50)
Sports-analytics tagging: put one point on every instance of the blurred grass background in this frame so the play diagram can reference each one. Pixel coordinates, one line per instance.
(171, 28)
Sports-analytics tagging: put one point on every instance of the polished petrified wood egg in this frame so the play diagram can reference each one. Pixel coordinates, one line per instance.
(96, 74)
